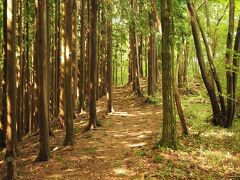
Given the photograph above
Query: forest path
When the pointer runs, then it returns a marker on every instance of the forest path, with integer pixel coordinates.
(114, 151)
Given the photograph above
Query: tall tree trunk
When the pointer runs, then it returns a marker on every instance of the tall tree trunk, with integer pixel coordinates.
(217, 115)
(44, 152)
(62, 103)
(109, 62)
(236, 60)
(36, 67)
(212, 66)
(68, 110)
(27, 72)
(229, 63)
(4, 83)
(19, 88)
(74, 54)
(57, 54)
(10, 51)
(134, 53)
(81, 65)
(92, 67)
(169, 119)
(151, 59)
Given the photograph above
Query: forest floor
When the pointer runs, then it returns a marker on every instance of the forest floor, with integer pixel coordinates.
(122, 148)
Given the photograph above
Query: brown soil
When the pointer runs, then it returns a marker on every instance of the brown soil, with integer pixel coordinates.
(122, 148)
(108, 152)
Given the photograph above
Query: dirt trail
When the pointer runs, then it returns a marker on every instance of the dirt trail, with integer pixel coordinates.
(113, 151)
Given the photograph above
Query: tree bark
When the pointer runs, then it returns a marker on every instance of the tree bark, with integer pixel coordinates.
(68, 107)
(81, 65)
(236, 59)
(229, 63)
(92, 67)
(134, 53)
(169, 119)
(10, 51)
(44, 153)
(217, 115)
(109, 62)
(212, 66)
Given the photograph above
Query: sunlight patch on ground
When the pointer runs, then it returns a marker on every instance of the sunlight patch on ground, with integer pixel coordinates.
(148, 132)
(137, 144)
(219, 134)
(142, 136)
(55, 149)
(55, 176)
(122, 172)
(118, 135)
(101, 157)
(147, 113)
(79, 123)
(124, 114)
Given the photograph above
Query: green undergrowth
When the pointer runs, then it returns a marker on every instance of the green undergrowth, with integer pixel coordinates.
(208, 152)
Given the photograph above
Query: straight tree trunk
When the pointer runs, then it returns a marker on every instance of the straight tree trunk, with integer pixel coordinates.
(10, 52)
(19, 89)
(4, 83)
(134, 53)
(169, 119)
(74, 54)
(81, 65)
(68, 110)
(57, 54)
(27, 72)
(36, 67)
(236, 59)
(151, 59)
(44, 152)
(109, 62)
(92, 67)
(62, 78)
(229, 63)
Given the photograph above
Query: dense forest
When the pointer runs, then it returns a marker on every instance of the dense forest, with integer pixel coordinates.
(119, 89)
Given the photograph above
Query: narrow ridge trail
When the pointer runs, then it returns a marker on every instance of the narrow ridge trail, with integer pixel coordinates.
(113, 151)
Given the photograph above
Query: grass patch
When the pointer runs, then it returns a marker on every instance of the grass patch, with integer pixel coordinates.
(89, 150)
(140, 153)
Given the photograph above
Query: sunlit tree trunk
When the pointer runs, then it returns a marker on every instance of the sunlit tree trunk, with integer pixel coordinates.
(68, 107)
(10, 58)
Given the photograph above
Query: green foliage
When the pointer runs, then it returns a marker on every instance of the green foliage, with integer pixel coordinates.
(153, 99)
(89, 150)
(141, 153)
(158, 159)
